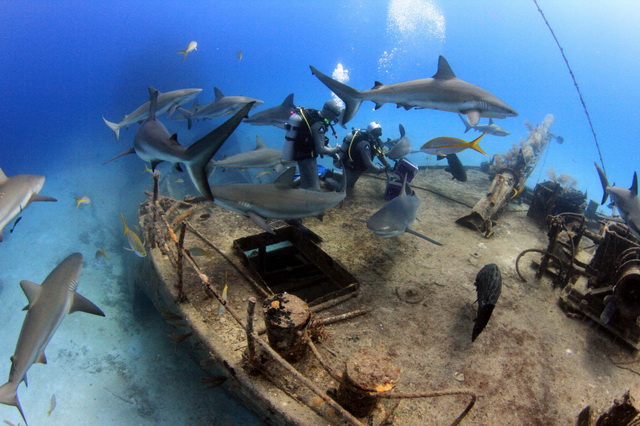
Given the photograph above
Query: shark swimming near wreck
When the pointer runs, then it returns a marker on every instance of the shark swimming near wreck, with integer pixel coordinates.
(444, 91)
(153, 144)
(398, 147)
(49, 304)
(491, 128)
(221, 105)
(626, 200)
(397, 216)
(277, 200)
(16, 193)
(276, 116)
(166, 102)
(261, 157)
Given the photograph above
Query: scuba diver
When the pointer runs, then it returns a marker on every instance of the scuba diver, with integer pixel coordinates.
(305, 140)
(357, 152)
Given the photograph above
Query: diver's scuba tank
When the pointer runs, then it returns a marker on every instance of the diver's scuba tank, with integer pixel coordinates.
(292, 126)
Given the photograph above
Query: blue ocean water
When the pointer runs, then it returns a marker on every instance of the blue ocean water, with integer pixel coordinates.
(66, 64)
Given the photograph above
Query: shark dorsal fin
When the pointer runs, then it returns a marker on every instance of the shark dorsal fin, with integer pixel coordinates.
(195, 104)
(153, 102)
(285, 180)
(402, 132)
(217, 93)
(377, 85)
(31, 290)
(82, 304)
(288, 102)
(3, 177)
(634, 185)
(444, 70)
(260, 143)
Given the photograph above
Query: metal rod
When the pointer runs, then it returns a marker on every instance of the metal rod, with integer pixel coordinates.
(251, 306)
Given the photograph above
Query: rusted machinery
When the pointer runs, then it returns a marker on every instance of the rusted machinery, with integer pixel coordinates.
(602, 284)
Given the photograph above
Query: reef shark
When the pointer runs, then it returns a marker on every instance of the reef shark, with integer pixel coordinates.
(222, 105)
(259, 158)
(48, 304)
(444, 91)
(16, 193)
(276, 116)
(491, 128)
(399, 147)
(277, 200)
(626, 200)
(397, 216)
(167, 101)
(153, 144)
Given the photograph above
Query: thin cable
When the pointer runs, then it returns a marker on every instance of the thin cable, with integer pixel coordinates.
(575, 83)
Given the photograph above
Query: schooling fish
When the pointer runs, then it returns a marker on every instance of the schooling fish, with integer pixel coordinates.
(134, 241)
(488, 286)
(193, 45)
(445, 145)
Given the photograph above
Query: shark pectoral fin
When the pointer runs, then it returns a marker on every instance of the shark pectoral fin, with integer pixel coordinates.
(42, 358)
(31, 290)
(285, 180)
(129, 151)
(424, 237)
(171, 110)
(260, 221)
(38, 197)
(473, 116)
(82, 304)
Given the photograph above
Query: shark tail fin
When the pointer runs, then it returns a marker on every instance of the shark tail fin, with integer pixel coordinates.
(9, 396)
(604, 182)
(113, 126)
(199, 154)
(475, 144)
(351, 97)
(465, 122)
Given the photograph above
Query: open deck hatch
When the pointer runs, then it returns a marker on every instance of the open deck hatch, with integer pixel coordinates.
(292, 261)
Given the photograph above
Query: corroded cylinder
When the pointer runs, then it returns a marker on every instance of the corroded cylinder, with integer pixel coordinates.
(287, 318)
(367, 375)
(626, 291)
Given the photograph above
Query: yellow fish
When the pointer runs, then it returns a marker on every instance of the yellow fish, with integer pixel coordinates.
(82, 200)
(134, 241)
(193, 45)
(148, 170)
(102, 253)
(225, 291)
(53, 405)
(445, 145)
(197, 251)
(239, 55)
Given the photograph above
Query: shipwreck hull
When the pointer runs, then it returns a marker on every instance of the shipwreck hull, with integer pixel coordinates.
(398, 299)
